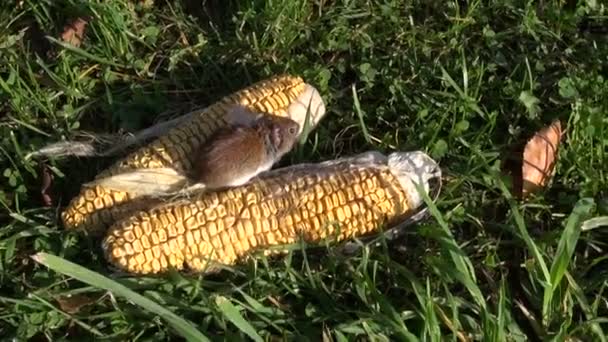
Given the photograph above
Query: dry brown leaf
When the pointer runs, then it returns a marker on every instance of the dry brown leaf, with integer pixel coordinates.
(540, 157)
(147, 3)
(72, 304)
(277, 303)
(73, 33)
(47, 181)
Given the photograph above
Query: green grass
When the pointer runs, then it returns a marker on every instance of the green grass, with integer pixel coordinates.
(463, 80)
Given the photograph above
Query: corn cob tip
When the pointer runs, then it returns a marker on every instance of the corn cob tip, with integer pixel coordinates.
(414, 167)
(309, 101)
(408, 167)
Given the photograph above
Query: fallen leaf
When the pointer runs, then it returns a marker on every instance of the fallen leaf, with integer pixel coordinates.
(47, 180)
(146, 3)
(73, 33)
(326, 334)
(277, 303)
(72, 304)
(540, 157)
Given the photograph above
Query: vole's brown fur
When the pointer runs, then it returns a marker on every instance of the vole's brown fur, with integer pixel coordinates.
(239, 152)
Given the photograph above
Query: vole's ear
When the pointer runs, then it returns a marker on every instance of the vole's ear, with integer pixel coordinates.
(240, 115)
(276, 135)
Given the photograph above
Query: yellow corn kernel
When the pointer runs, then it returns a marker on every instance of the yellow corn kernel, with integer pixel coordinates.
(384, 196)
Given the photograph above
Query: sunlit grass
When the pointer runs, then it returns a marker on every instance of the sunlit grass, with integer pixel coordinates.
(464, 81)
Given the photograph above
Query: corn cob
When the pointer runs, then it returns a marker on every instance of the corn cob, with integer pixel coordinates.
(97, 206)
(343, 198)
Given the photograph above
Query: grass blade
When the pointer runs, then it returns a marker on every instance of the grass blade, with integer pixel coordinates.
(594, 223)
(307, 126)
(77, 321)
(83, 53)
(589, 314)
(360, 115)
(519, 220)
(181, 326)
(464, 267)
(565, 250)
(232, 314)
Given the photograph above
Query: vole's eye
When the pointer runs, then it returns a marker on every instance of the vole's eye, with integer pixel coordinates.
(292, 130)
